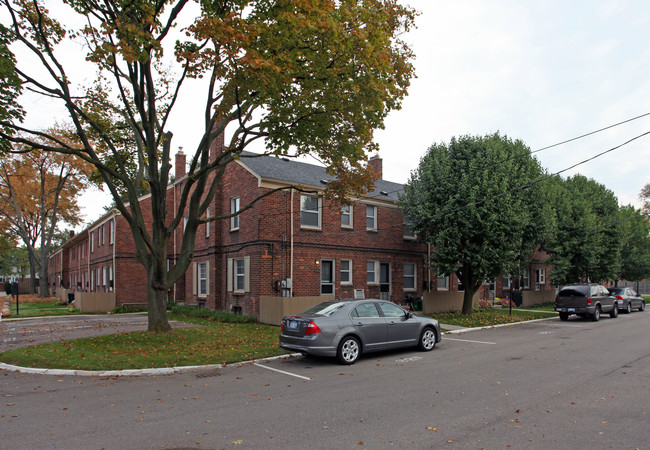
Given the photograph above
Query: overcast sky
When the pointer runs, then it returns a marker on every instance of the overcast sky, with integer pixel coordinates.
(542, 72)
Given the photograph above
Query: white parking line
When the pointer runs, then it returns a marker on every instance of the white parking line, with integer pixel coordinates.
(467, 340)
(282, 371)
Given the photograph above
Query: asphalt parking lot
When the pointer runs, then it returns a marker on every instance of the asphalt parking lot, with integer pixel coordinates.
(17, 333)
(545, 384)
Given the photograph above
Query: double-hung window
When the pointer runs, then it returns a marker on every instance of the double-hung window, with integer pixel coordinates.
(408, 231)
(235, 206)
(310, 211)
(239, 274)
(410, 276)
(346, 271)
(346, 216)
(372, 267)
(207, 223)
(371, 217)
(202, 279)
(443, 282)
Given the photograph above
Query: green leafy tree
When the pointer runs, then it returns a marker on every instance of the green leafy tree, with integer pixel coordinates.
(479, 203)
(587, 242)
(38, 193)
(635, 244)
(304, 76)
(645, 198)
(15, 262)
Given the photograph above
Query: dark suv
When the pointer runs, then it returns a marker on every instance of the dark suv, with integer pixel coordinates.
(585, 300)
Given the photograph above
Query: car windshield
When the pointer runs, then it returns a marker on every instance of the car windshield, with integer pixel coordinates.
(325, 308)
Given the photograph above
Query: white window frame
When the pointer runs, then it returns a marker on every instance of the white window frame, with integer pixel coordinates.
(207, 223)
(414, 276)
(540, 276)
(202, 278)
(506, 282)
(347, 211)
(374, 272)
(446, 282)
(311, 211)
(235, 206)
(409, 237)
(239, 270)
(525, 279)
(232, 275)
(373, 217)
(111, 231)
(347, 271)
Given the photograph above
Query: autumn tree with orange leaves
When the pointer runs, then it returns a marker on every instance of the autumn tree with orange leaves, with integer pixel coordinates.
(303, 76)
(38, 193)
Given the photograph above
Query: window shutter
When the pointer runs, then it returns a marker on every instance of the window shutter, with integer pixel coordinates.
(207, 278)
(195, 277)
(229, 273)
(247, 270)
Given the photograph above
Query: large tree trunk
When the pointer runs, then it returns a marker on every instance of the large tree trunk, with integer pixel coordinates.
(157, 297)
(43, 277)
(471, 287)
(32, 277)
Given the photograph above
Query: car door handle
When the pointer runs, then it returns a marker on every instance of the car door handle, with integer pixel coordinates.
(358, 324)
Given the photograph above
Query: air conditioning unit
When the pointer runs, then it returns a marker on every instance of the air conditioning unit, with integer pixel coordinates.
(359, 294)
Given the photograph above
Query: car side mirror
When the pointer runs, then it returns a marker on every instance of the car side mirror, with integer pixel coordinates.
(409, 315)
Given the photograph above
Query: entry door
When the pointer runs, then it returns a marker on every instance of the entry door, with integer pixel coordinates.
(384, 281)
(327, 277)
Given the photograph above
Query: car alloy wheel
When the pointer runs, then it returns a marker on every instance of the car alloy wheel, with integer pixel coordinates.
(427, 340)
(349, 350)
(596, 315)
(642, 307)
(628, 310)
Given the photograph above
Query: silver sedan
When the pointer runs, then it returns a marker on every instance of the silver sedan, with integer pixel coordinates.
(347, 328)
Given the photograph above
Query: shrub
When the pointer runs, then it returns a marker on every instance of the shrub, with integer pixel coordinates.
(124, 309)
(484, 304)
(218, 316)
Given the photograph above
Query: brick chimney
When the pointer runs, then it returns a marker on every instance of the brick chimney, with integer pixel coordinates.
(216, 146)
(180, 164)
(376, 163)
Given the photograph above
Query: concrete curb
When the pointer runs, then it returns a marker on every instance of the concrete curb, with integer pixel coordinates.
(183, 369)
(465, 330)
(135, 372)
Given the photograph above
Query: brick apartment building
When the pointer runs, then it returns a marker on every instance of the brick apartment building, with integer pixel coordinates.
(290, 243)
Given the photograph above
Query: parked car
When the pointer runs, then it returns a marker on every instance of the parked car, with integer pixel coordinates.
(585, 300)
(347, 328)
(628, 299)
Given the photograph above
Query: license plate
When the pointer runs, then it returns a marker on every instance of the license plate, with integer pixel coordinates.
(572, 310)
(293, 324)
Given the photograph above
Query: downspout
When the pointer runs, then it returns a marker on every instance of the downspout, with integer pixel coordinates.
(291, 258)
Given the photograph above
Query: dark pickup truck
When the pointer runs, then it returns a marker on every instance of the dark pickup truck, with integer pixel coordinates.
(585, 300)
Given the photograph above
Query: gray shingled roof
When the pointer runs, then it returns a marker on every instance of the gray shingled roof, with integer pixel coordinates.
(298, 172)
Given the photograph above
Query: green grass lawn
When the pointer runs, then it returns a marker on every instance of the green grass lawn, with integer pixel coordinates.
(488, 317)
(210, 343)
(27, 307)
